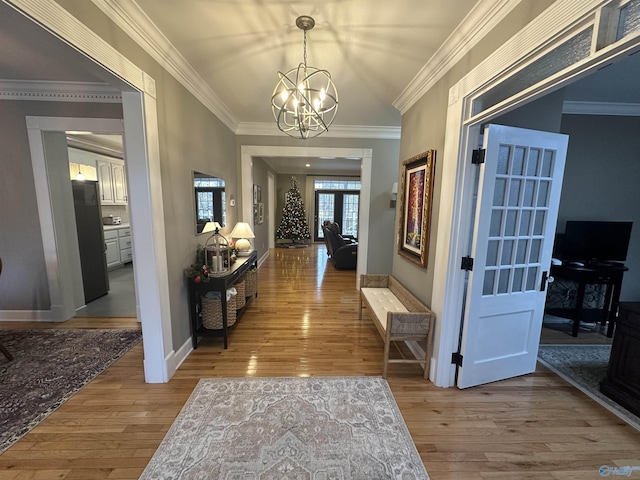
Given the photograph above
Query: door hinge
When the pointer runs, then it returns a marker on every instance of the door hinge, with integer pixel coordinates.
(467, 263)
(456, 358)
(477, 157)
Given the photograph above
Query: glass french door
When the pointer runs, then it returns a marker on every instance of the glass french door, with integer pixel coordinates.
(337, 206)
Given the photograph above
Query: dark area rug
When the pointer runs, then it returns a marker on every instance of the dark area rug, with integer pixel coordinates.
(584, 366)
(49, 366)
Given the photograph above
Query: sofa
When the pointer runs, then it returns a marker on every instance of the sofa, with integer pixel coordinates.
(343, 250)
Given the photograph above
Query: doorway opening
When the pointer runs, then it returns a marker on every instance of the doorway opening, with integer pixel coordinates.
(336, 201)
(461, 132)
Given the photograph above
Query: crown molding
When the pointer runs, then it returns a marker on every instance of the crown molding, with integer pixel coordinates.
(480, 21)
(335, 131)
(92, 146)
(135, 23)
(601, 108)
(58, 91)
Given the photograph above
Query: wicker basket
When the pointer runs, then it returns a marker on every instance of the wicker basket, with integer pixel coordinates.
(232, 311)
(240, 298)
(212, 313)
(251, 279)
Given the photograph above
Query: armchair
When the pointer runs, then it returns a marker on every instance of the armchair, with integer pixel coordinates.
(343, 251)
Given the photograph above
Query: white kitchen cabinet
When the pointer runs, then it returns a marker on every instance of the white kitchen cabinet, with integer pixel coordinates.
(124, 243)
(119, 183)
(112, 179)
(105, 182)
(113, 248)
(113, 184)
(118, 242)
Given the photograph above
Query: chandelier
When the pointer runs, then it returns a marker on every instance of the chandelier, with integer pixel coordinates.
(305, 100)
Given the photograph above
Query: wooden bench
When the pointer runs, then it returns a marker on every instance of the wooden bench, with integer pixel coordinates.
(398, 316)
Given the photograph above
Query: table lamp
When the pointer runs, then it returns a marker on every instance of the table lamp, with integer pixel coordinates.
(211, 227)
(242, 231)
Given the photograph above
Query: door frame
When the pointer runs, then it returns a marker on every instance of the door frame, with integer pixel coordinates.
(342, 193)
(247, 152)
(557, 24)
(140, 127)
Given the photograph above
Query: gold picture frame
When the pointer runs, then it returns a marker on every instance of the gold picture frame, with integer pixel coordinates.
(416, 190)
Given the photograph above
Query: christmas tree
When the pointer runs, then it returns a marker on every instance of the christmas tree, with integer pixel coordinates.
(293, 225)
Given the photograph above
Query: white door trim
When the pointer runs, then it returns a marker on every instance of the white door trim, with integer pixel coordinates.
(551, 28)
(246, 172)
(271, 209)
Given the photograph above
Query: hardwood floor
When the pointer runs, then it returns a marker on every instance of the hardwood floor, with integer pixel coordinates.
(305, 322)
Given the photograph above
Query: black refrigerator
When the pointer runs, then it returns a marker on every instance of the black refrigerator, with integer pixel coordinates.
(86, 202)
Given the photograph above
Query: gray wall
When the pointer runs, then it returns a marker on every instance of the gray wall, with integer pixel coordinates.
(424, 126)
(602, 179)
(23, 284)
(384, 173)
(542, 114)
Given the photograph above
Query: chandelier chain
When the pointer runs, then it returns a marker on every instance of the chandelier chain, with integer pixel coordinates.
(305, 46)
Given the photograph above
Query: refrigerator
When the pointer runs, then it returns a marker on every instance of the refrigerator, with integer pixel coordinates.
(93, 259)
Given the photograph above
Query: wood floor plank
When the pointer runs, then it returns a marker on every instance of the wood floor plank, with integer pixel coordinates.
(304, 322)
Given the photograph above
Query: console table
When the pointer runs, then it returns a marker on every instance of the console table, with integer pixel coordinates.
(608, 274)
(219, 283)
(622, 382)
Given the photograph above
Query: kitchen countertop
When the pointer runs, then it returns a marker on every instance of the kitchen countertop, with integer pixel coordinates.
(114, 227)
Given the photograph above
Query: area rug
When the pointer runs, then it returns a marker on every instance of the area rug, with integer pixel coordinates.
(584, 366)
(48, 367)
(288, 428)
(292, 245)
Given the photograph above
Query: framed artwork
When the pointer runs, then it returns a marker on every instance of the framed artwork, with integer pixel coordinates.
(255, 214)
(255, 194)
(260, 212)
(259, 193)
(415, 207)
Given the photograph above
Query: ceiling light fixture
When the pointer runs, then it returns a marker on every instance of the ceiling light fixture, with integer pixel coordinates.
(305, 100)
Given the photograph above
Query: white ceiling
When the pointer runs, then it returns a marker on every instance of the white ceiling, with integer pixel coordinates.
(374, 50)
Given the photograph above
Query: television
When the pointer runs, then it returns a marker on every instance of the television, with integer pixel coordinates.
(600, 241)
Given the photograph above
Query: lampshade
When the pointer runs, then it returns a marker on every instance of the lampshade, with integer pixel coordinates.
(211, 227)
(242, 231)
(305, 100)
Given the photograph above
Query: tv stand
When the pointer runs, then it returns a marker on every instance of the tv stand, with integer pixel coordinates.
(592, 273)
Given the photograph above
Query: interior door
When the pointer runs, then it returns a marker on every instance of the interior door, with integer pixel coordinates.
(516, 215)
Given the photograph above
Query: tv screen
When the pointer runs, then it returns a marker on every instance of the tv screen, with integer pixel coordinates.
(596, 240)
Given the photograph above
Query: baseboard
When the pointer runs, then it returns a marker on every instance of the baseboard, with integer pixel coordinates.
(263, 258)
(26, 316)
(420, 353)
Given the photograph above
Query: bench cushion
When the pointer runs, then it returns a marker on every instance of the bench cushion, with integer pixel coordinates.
(381, 301)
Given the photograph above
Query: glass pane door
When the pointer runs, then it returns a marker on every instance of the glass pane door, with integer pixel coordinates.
(350, 202)
(325, 210)
(340, 206)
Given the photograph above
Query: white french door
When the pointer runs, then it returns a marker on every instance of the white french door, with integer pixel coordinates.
(516, 215)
